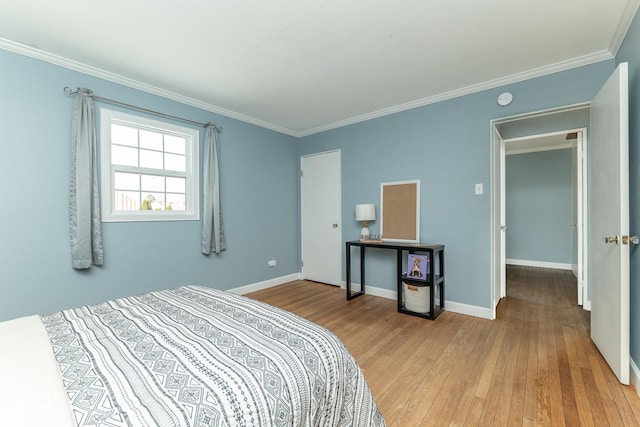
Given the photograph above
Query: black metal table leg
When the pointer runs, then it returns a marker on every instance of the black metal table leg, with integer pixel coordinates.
(351, 295)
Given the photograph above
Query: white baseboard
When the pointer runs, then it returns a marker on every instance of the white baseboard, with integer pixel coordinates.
(383, 293)
(544, 264)
(469, 310)
(355, 287)
(454, 307)
(634, 376)
(266, 284)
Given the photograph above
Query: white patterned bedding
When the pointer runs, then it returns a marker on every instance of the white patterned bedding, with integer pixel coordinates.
(194, 356)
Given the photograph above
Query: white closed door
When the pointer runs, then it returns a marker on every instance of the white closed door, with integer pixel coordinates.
(321, 212)
(609, 230)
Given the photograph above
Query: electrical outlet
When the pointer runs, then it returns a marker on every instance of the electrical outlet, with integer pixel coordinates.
(271, 263)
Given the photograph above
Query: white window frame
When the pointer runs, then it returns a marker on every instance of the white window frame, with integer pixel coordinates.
(192, 209)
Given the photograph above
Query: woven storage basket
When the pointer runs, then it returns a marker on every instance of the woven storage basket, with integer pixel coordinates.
(416, 298)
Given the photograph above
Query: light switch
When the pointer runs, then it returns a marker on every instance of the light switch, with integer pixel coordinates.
(479, 189)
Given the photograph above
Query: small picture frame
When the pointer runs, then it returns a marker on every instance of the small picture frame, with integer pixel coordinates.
(417, 267)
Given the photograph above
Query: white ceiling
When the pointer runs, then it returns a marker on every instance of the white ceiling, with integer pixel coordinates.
(299, 66)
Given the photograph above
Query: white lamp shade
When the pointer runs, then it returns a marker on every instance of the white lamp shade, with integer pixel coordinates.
(365, 212)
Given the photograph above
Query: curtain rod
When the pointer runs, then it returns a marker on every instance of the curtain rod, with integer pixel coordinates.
(69, 91)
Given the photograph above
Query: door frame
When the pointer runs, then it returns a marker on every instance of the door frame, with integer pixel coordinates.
(498, 223)
(498, 288)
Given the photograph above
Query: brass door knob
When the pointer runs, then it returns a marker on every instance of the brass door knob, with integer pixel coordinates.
(614, 239)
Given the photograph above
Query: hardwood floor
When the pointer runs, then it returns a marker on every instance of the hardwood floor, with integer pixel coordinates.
(534, 365)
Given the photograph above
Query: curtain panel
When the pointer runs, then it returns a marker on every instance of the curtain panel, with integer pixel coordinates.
(213, 239)
(84, 200)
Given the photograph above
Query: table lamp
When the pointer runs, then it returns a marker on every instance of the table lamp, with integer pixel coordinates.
(365, 213)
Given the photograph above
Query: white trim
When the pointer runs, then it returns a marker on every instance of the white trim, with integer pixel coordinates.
(452, 306)
(634, 377)
(497, 215)
(543, 264)
(32, 52)
(241, 290)
(583, 214)
(580, 61)
(134, 84)
(629, 12)
(372, 290)
(469, 310)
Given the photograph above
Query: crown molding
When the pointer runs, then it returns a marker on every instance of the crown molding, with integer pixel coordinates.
(32, 52)
(629, 12)
(70, 64)
(491, 84)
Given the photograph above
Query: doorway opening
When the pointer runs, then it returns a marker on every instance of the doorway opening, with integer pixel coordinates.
(607, 228)
(552, 136)
(544, 202)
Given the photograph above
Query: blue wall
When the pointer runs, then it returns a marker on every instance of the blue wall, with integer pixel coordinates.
(447, 147)
(539, 206)
(259, 196)
(630, 52)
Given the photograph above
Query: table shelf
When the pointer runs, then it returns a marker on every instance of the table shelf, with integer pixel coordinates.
(434, 279)
(438, 278)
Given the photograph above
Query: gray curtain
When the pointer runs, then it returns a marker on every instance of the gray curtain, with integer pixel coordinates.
(212, 229)
(84, 201)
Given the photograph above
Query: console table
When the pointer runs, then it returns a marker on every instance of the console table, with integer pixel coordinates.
(434, 279)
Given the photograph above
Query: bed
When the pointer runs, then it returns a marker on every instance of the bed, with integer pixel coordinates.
(189, 356)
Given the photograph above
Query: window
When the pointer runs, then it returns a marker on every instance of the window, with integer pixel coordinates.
(149, 169)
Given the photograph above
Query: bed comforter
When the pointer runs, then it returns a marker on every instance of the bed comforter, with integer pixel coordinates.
(194, 356)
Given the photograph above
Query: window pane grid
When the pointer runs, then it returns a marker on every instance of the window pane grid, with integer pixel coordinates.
(147, 148)
(149, 192)
(149, 167)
